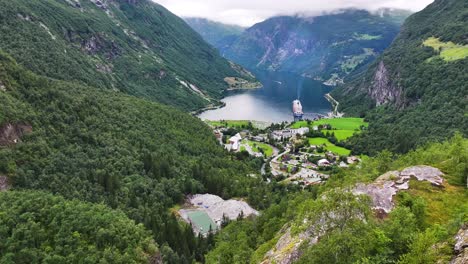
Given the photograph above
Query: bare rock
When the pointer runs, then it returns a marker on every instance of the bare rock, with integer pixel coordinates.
(287, 249)
(2, 87)
(107, 69)
(4, 185)
(461, 246)
(380, 193)
(387, 185)
(424, 173)
(11, 133)
(93, 45)
(382, 89)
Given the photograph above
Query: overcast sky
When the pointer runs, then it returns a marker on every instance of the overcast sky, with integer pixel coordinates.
(249, 12)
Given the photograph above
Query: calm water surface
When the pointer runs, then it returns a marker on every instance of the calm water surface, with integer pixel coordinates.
(273, 102)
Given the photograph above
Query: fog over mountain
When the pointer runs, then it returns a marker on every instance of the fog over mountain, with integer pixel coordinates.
(248, 12)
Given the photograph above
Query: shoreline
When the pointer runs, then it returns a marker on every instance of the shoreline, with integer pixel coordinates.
(335, 104)
(244, 89)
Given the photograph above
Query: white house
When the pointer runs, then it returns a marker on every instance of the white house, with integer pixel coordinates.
(323, 163)
(235, 142)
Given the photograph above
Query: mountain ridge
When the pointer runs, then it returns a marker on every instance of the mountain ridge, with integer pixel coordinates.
(137, 47)
(412, 85)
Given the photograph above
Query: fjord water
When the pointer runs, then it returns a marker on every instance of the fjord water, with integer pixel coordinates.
(273, 102)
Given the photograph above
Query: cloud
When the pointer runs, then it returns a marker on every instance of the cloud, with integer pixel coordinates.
(249, 12)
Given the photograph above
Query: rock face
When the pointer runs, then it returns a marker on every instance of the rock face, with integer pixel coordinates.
(318, 47)
(11, 133)
(423, 173)
(382, 89)
(381, 191)
(286, 249)
(461, 246)
(2, 87)
(4, 185)
(386, 186)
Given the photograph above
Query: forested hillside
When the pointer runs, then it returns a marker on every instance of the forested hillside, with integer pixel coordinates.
(326, 47)
(417, 90)
(105, 147)
(332, 223)
(54, 230)
(219, 35)
(137, 47)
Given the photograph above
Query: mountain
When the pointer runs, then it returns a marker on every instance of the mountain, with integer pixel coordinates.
(417, 90)
(136, 47)
(102, 146)
(219, 35)
(326, 47)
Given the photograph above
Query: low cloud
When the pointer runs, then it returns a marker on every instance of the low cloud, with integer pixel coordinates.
(249, 12)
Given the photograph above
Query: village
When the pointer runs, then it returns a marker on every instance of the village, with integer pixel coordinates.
(301, 153)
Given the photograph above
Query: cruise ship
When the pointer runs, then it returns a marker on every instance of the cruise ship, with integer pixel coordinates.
(297, 110)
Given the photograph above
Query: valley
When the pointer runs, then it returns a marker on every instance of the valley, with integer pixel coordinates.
(139, 132)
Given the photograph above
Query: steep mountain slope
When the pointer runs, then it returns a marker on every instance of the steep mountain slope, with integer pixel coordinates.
(219, 35)
(386, 210)
(101, 146)
(326, 47)
(137, 47)
(419, 87)
(55, 230)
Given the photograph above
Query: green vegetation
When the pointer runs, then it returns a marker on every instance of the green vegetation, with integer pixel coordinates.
(348, 123)
(430, 102)
(350, 64)
(137, 47)
(265, 148)
(424, 216)
(38, 227)
(342, 128)
(329, 146)
(217, 34)
(230, 123)
(449, 51)
(134, 155)
(340, 135)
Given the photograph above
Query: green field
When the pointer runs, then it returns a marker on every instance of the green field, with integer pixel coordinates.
(449, 51)
(202, 221)
(348, 123)
(343, 128)
(229, 123)
(329, 146)
(341, 134)
(268, 150)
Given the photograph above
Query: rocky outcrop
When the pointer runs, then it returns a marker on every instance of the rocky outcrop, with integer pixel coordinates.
(461, 246)
(4, 185)
(11, 134)
(386, 186)
(383, 89)
(286, 249)
(97, 44)
(2, 87)
(381, 191)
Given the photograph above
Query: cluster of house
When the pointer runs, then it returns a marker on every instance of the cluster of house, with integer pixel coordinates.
(279, 135)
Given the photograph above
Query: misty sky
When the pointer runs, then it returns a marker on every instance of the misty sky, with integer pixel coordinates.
(249, 12)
